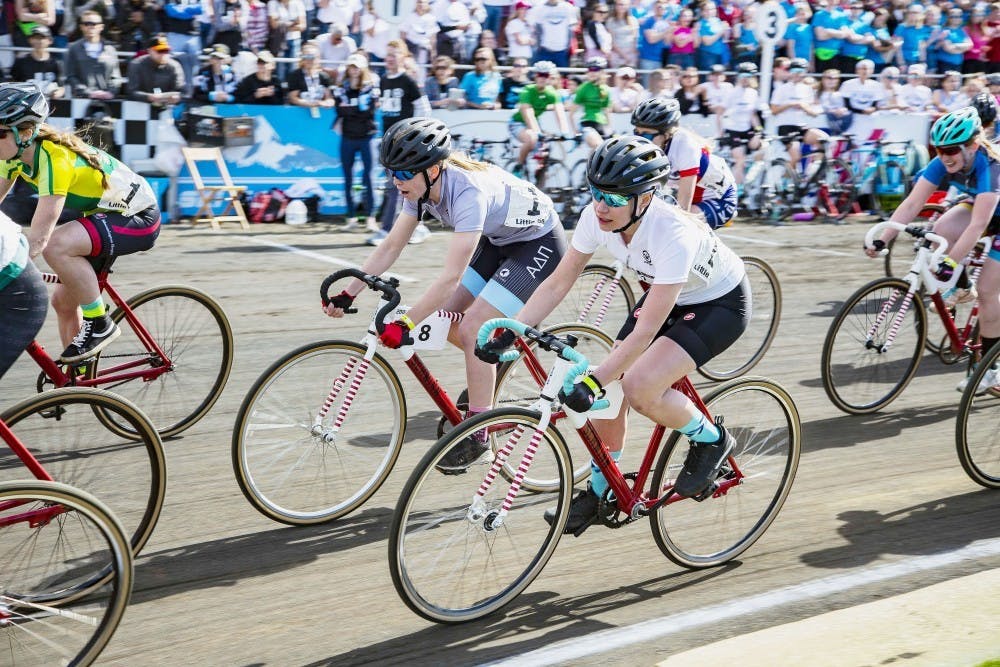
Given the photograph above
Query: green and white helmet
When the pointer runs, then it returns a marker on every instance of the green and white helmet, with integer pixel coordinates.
(957, 127)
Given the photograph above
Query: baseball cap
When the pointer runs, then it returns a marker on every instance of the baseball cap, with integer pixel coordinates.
(521, 4)
(357, 60)
(916, 70)
(219, 51)
(40, 30)
(718, 69)
(159, 43)
(265, 56)
(626, 72)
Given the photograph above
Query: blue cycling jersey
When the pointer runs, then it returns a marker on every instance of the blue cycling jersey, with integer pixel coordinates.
(984, 176)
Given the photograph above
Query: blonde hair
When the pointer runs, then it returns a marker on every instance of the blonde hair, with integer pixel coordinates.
(69, 140)
(463, 161)
(991, 148)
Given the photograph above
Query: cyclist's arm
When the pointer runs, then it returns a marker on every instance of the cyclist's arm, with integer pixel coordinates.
(660, 300)
(907, 211)
(528, 116)
(983, 207)
(5, 185)
(561, 119)
(554, 288)
(685, 191)
(456, 260)
(43, 222)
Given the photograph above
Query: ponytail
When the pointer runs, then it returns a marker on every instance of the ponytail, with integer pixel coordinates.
(77, 145)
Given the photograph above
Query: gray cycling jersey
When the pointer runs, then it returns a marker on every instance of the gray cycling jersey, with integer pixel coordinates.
(503, 207)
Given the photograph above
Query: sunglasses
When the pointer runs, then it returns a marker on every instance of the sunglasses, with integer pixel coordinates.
(950, 150)
(90, 23)
(648, 136)
(541, 75)
(594, 69)
(481, 60)
(612, 199)
(403, 174)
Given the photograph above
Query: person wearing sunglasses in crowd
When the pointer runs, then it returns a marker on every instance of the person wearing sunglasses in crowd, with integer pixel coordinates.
(698, 303)
(535, 99)
(593, 98)
(702, 183)
(117, 213)
(970, 163)
(507, 239)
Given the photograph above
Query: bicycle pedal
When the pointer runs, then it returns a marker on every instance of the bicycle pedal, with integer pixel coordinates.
(579, 531)
(707, 493)
(52, 413)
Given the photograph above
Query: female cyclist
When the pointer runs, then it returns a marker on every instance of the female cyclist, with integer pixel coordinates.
(23, 297)
(507, 240)
(593, 97)
(970, 163)
(698, 304)
(702, 182)
(116, 213)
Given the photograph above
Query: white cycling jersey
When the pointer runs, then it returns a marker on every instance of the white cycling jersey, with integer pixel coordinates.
(669, 247)
(689, 155)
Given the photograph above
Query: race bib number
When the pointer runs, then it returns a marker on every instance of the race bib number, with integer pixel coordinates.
(528, 207)
(429, 334)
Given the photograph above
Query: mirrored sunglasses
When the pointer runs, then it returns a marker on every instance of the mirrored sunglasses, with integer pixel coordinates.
(612, 199)
(402, 174)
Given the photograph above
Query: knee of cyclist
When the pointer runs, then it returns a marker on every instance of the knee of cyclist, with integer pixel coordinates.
(467, 333)
(637, 392)
(62, 301)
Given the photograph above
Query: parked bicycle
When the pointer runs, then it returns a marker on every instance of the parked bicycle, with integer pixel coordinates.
(824, 186)
(66, 577)
(977, 428)
(461, 548)
(320, 430)
(494, 151)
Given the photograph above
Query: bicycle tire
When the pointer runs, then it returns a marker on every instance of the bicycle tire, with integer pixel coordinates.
(849, 362)
(751, 347)
(840, 189)
(610, 304)
(452, 567)
(44, 626)
(60, 430)
(978, 446)
(896, 261)
(193, 330)
(764, 421)
(516, 387)
(299, 473)
(783, 191)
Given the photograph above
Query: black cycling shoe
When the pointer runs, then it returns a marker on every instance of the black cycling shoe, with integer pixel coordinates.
(458, 459)
(582, 512)
(94, 336)
(702, 463)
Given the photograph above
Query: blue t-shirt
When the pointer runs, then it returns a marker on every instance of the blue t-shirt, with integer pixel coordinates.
(481, 88)
(983, 177)
(851, 49)
(710, 28)
(881, 34)
(833, 19)
(912, 38)
(801, 36)
(649, 51)
(952, 36)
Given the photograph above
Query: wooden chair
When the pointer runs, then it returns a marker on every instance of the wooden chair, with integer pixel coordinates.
(211, 194)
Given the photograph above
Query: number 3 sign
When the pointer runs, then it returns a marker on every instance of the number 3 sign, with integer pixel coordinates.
(772, 21)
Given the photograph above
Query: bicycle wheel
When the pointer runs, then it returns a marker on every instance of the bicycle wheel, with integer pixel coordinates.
(977, 429)
(750, 348)
(318, 433)
(60, 430)
(764, 421)
(780, 193)
(517, 387)
(838, 189)
(450, 562)
(900, 252)
(578, 176)
(194, 333)
(555, 176)
(58, 544)
(596, 299)
(868, 360)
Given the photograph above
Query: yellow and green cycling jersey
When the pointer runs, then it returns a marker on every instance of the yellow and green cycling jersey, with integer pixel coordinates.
(60, 171)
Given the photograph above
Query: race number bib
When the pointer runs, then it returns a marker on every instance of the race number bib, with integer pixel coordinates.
(430, 333)
(528, 206)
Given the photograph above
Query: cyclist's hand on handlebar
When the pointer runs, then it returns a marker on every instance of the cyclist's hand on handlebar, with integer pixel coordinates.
(584, 393)
(490, 353)
(945, 269)
(878, 245)
(339, 304)
(396, 334)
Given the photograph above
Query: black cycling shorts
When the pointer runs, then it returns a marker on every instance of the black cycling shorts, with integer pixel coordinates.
(600, 128)
(703, 330)
(506, 276)
(789, 133)
(736, 138)
(113, 234)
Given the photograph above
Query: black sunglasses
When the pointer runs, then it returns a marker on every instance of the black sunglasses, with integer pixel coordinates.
(90, 23)
(481, 60)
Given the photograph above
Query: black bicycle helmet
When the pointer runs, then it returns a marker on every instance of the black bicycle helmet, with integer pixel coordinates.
(746, 69)
(627, 165)
(986, 105)
(659, 113)
(22, 103)
(415, 144)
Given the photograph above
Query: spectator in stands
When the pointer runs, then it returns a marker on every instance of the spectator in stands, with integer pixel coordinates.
(597, 40)
(204, 22)
(949, 97)
(520, 34)
(441, 81)
(28, 14)
(882, 50)
(215, 83)
(38, 65)
(892, 90)
(952, 42)
(795, 110)
(157, 77)
(781, 73)
(716, 91)
(257, 26)
(334, 48)
(137, 24)
(913, 36)
(178, 21)
(346, 13)
(745, 46)
(496, 11)
(993, 85)
(420, 32)
(454, 20)
(488, 40)
(858, 36)
(829, 31)
(979, 35)
(475, 31)
(356, 99)
(935, 20)
(742, 123)
(624, 29)
(593, 98)
(555, 21)
(514, 82)
(862, 94)
(374, 33)
(799, 33)
(263, 86)
(838, 116)
(400, 96)
(91, 64)
(627, 91)
(730, 12)
(288, 21)
(309, 86)
(661, 84)
(712, 36)
(916, 97)
(683, 41)
(690, 96)
(229, 23)
(482, 84)
(654, 28)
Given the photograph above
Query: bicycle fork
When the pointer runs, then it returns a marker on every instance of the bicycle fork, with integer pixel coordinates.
(896, 323)
(354, 371)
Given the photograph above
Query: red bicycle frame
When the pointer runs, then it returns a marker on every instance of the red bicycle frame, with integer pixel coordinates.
(35, 517)
(152, 366)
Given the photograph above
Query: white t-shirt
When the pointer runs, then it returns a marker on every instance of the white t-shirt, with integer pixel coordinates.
(717, 95)
(289, 13)
(420, 30)
(789, 93)
(10, 240)
(450, 13)
(555, 23)
(334, 53)
(860, 96)
(916, 98)
(339, 11)
(669, 247)
(689, 155)
(377, 44)
(740, 106)
(515, 27)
